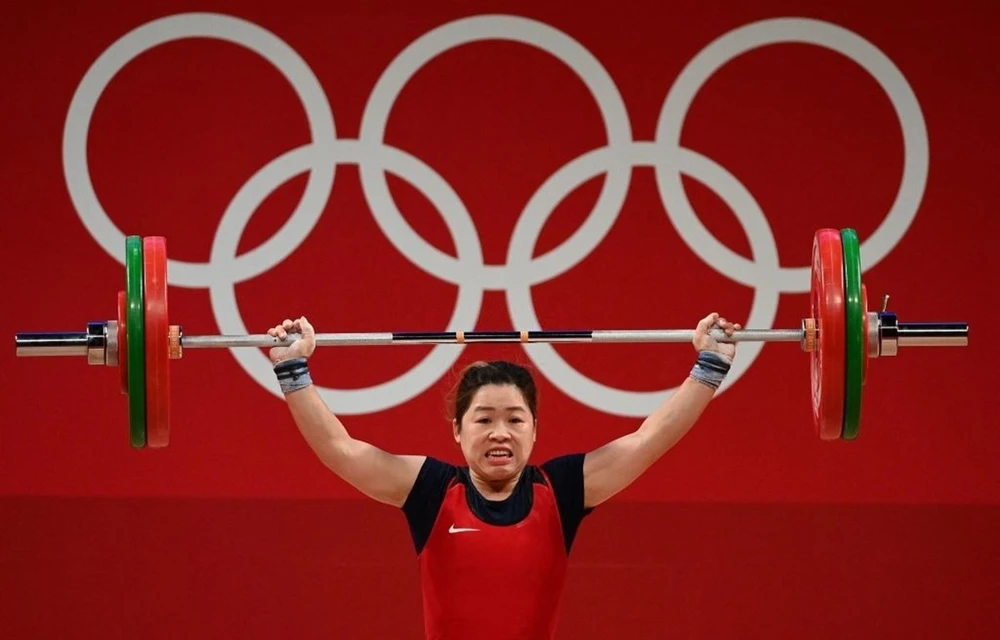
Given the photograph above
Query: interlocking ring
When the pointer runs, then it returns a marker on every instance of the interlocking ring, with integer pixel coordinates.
(616, 159)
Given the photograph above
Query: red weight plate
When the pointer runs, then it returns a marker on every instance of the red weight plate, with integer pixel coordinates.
(828, 359)
(122, 344)
(154, 255)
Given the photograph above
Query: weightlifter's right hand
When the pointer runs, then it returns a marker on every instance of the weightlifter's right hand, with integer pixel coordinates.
(301, 348)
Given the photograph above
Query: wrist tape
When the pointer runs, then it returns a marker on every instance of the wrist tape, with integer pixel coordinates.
(293, 374)
(711, 368)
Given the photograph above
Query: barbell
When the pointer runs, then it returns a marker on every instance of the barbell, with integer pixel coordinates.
(840, 334)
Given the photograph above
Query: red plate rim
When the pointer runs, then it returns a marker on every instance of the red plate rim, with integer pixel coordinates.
(828, 308)
(157, 344)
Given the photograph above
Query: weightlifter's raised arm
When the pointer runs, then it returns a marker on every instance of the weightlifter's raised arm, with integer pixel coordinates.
(383, 476)
(611, 468)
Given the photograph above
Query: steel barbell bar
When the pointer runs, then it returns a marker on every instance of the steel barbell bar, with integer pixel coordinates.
(85, 343)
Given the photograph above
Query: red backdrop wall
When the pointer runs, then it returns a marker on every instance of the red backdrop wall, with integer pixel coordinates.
(491, 167)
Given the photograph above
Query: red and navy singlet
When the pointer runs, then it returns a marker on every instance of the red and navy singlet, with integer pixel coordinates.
(494, 569)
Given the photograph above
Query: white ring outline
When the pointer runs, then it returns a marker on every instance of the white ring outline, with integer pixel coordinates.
(787, 30)
(467, 31)
(237, 31)
(762, 311)
(223, 294)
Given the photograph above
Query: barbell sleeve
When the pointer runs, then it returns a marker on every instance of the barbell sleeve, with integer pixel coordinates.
(54, 343)
(933, 334)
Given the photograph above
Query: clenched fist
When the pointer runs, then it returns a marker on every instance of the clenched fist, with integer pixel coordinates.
(705, 342)
(303, 347)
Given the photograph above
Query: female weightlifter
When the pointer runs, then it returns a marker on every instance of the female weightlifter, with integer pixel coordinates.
(497, 529)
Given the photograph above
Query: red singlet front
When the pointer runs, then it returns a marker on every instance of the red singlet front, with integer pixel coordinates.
(493, 581)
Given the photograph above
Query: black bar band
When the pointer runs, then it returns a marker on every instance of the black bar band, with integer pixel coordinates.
(488, 336)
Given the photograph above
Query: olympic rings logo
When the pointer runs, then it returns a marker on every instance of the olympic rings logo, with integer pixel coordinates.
(468, 270)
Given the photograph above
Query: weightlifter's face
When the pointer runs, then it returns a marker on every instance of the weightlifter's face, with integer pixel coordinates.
(497, 433)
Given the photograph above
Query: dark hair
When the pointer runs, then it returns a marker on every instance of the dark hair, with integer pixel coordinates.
(479, 374)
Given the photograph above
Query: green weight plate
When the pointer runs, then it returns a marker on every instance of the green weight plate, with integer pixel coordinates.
(135, 311)
(856, 336)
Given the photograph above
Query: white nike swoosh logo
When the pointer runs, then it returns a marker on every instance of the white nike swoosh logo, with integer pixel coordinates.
(454, 529)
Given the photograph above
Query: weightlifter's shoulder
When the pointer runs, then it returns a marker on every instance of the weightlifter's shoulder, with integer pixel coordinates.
(426, 497)
(566, 475)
